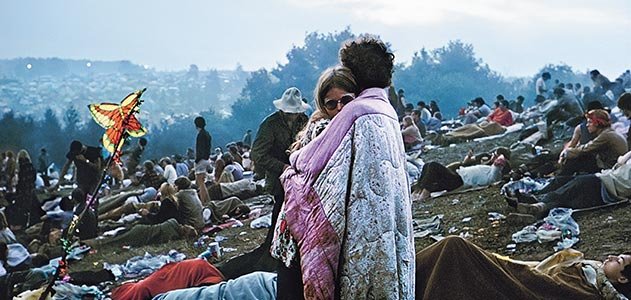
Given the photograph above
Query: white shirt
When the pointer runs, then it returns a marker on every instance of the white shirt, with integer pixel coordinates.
(479, 175)
(425, 115)
(170, 174)
(540, 85)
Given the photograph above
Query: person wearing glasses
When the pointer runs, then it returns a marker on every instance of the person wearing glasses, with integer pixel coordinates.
(335, 88)
(347, 198)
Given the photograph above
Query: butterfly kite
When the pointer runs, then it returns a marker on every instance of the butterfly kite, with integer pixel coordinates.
(119, 121)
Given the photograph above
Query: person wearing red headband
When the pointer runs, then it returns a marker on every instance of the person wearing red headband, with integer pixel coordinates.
(599, 153)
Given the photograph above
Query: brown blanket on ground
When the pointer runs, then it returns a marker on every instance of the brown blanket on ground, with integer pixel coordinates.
(472, 131)
(457, 269)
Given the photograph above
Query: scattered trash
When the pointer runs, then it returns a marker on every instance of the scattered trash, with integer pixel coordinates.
(220, 238)
(237, 223)
(452, 229)
(466, 220)
(126, 247)
(511, 246)
(455, 201)
(227, 250)
(526, 235)
(557, 225)
(524, 185)
(243, 233)
(262, 222)
(437, 237)
(201, 241)
(139, 266)
(495, 216)
(427, 226)
(465, 235)
(213, 250)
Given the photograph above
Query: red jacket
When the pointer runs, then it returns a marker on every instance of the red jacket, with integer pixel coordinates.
(504, 118)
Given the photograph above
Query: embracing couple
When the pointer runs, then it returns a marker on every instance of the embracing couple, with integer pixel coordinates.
(345, 228)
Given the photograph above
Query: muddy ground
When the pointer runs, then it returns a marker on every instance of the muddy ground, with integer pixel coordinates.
(603, 232)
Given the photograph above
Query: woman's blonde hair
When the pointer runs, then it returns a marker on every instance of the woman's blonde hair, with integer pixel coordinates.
(166, 190)
(23, 154)
(335, 77)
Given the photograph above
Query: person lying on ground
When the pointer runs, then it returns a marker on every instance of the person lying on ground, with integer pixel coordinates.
(243, 189)
(17, 267)
(172, 276)
(436, 177)
(472, 131)
(455, 268)
(222, 210)
(583, 191)
(142, 234)
(484, 158)
(153, 207)
(138, 196)
(252, 286)
(599, 153)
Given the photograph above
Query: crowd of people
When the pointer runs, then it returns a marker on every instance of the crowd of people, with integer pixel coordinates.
(341, 222)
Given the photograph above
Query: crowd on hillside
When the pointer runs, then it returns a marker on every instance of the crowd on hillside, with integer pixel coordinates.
(336, 187)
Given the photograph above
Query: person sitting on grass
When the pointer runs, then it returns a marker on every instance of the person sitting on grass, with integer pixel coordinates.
(597, 154)
(411, 134)
(583, 191)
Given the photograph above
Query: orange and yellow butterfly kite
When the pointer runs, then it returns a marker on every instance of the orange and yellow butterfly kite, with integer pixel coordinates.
(118, 120)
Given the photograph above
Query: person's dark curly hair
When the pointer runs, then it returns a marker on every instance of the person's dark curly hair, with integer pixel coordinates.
(370, 61)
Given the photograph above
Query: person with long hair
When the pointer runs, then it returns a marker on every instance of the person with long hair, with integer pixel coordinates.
(26, 200)
(347, 198)
(335, 88)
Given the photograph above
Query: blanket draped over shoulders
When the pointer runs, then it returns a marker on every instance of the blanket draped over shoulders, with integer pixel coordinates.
(348, 206)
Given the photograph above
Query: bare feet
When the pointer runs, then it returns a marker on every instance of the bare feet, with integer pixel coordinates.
(425, 195)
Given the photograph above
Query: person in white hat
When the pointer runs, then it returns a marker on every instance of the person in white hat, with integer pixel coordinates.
(269, 152)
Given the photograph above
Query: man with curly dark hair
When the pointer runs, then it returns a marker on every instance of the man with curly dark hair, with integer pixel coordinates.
(357, 241)
(370, 61)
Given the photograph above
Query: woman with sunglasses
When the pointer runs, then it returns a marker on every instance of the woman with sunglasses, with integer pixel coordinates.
(335, 88)
(347, 199)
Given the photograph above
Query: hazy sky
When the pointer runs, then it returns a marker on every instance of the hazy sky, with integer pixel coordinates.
(515, 37)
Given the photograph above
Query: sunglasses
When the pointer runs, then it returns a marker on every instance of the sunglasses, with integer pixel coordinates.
(331, 104)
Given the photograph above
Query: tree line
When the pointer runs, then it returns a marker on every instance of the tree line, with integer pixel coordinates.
(452, 75)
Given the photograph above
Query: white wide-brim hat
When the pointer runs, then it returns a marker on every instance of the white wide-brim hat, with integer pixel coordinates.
(291, 102)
